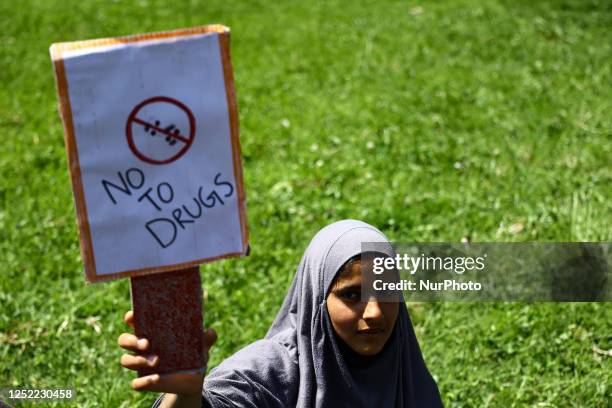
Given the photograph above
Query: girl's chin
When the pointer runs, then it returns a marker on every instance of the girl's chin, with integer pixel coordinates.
(368, 349)
(370, 344)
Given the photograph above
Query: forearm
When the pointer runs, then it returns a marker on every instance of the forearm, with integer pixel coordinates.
(181, 401)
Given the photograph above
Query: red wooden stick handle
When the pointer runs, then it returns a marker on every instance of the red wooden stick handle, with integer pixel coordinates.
(168, 312)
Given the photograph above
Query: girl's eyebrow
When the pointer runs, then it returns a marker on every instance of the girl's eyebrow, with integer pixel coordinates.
(347, 286)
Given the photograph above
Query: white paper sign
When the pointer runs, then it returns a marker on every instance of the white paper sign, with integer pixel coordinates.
(152, 140)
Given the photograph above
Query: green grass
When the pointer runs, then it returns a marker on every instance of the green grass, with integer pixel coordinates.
(432, 121)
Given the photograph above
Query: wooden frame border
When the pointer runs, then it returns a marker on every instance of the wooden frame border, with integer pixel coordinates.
(57, 51)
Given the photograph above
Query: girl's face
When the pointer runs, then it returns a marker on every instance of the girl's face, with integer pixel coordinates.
(364, 326)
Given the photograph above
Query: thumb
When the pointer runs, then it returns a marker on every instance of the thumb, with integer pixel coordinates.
(210, 337)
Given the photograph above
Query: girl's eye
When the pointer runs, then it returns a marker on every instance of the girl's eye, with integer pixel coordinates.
(350, 295)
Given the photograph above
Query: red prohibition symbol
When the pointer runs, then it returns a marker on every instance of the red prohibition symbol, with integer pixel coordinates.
(160, 130)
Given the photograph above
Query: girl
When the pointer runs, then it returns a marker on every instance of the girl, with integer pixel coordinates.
(326, 348)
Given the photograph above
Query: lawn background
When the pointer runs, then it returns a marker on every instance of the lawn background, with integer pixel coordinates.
(433, 121)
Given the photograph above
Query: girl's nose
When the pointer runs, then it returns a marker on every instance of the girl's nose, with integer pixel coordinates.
(372, 311)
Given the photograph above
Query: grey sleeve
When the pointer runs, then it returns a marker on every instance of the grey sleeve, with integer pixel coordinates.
(262, 375)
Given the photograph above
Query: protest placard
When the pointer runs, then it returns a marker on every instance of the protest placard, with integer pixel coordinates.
(151, 133)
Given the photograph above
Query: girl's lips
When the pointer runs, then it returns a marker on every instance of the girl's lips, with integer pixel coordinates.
(370, 331)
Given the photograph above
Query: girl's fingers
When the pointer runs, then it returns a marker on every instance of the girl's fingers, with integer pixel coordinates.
(210, 337)
(129, 318)
(130, 342)
(145, 383)
(137, 362)
(172, 383)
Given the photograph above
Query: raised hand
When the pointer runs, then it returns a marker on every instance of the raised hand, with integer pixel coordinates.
(185, 384)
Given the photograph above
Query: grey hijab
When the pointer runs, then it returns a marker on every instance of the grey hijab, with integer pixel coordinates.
(301, 362)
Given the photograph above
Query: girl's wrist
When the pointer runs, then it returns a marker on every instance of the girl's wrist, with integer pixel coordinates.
(181, 401)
